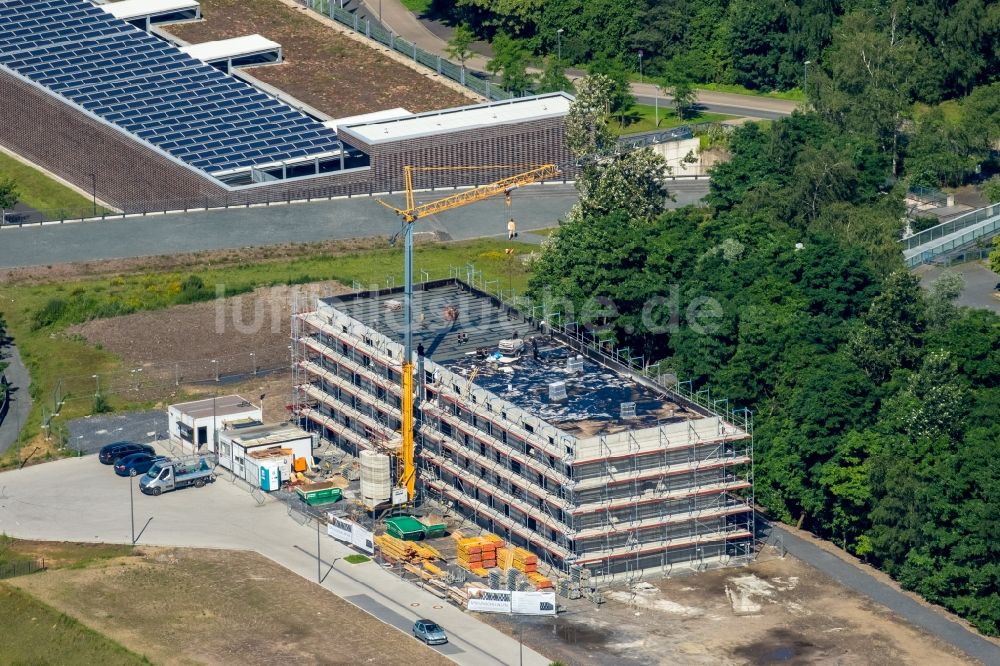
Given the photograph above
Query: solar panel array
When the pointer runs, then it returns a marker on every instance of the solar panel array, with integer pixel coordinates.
(151, 89)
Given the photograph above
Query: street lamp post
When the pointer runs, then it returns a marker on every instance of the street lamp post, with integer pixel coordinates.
(97, 381)
(131, 503)
(559, 33)
(253, 359)
(656, 106)
(640, 65)
(805, 77)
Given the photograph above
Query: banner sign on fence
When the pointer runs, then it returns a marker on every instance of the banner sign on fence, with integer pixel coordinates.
(486, 600)
(351, 533)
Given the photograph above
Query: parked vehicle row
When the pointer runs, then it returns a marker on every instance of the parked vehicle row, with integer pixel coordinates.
(160, 474)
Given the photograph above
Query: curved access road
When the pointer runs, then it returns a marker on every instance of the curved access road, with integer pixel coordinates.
(845, 572)
(397, 18)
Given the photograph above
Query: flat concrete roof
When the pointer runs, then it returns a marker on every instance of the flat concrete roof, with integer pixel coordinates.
(387, 114)
(593, 396)
(517, 110)
(224, 405)
(265, 434)
(133, 9)
(223, 49)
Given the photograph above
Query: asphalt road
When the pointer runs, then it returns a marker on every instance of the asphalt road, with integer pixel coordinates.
(85, 501)
(90, 433)
(980, 283)
(856, 578)
(534, 207)
(20, 396)
(739, 110)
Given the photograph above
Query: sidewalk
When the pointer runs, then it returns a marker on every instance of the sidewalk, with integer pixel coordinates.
(20, 396)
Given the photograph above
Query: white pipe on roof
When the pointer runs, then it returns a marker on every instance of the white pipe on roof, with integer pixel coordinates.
(388, 114)
(235, 47)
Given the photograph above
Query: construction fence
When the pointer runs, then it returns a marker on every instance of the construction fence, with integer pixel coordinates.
(379, 33)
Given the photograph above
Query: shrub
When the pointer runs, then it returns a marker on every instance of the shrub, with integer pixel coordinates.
(50, 313)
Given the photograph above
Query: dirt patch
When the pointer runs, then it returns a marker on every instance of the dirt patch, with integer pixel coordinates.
(179, 606)
(323, 68)
(221, 338)
(777, 610)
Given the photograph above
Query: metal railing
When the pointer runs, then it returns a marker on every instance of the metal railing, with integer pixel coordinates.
(928, 195)
(21, 568)
(379, 33)
(983, 222)
(951, 226)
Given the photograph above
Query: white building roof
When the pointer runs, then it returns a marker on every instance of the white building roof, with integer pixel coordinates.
(388, 114)
(133, 9)
(518, 110)
(266, 434)
(235, 47)
(224, 405)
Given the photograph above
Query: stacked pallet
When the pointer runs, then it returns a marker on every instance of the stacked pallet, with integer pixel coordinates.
(477, 554)
(406, 551)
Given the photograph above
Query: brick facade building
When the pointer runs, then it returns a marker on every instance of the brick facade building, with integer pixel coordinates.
(135, 176)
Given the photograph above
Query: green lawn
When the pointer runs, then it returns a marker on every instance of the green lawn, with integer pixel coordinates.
(643, 119)
(36, 633)
(795, 94)
(37, 314)
(42, 193)
(417, 6)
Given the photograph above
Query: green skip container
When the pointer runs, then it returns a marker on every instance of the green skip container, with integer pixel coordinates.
(406, 528)
(320, 493)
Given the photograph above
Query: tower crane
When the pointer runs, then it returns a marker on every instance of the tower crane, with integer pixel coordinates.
(410, 215)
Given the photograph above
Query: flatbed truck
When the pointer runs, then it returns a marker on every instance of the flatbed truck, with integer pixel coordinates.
(175, 473)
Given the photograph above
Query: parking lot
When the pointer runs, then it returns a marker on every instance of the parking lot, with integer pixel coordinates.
(79, 499)
(89, 434)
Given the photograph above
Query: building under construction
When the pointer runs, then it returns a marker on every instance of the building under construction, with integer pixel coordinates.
(533, 430)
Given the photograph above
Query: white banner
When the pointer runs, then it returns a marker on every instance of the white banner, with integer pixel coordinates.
(339, 529)
(533, 603)
(488, 601)
(362, 539)
(504, 601)
(351, 533)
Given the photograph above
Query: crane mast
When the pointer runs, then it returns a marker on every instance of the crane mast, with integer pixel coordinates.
(410, 215)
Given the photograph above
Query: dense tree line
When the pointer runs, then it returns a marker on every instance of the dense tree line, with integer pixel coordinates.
(875, 401)
(947, 47)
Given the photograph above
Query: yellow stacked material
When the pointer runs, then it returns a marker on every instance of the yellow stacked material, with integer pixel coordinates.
(539, 581)
(494, 539)
(505, 558)
(525, 561)
(407, 551)
(477, 554)
(433, 569)
(457, 536)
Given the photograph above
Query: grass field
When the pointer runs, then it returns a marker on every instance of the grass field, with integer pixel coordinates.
(795, 94)
(193, 606)
(36, 633)
(38, 313)
(42, 193)
(643, 119)
(417, 6)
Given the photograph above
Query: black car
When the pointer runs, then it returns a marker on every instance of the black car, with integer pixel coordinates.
(136, 464)
(112, 453)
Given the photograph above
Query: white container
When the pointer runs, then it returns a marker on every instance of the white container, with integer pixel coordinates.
(376, 478)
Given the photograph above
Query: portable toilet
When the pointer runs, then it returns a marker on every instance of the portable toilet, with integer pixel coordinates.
(270, 475)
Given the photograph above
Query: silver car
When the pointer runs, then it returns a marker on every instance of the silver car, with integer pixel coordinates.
(429, 632)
